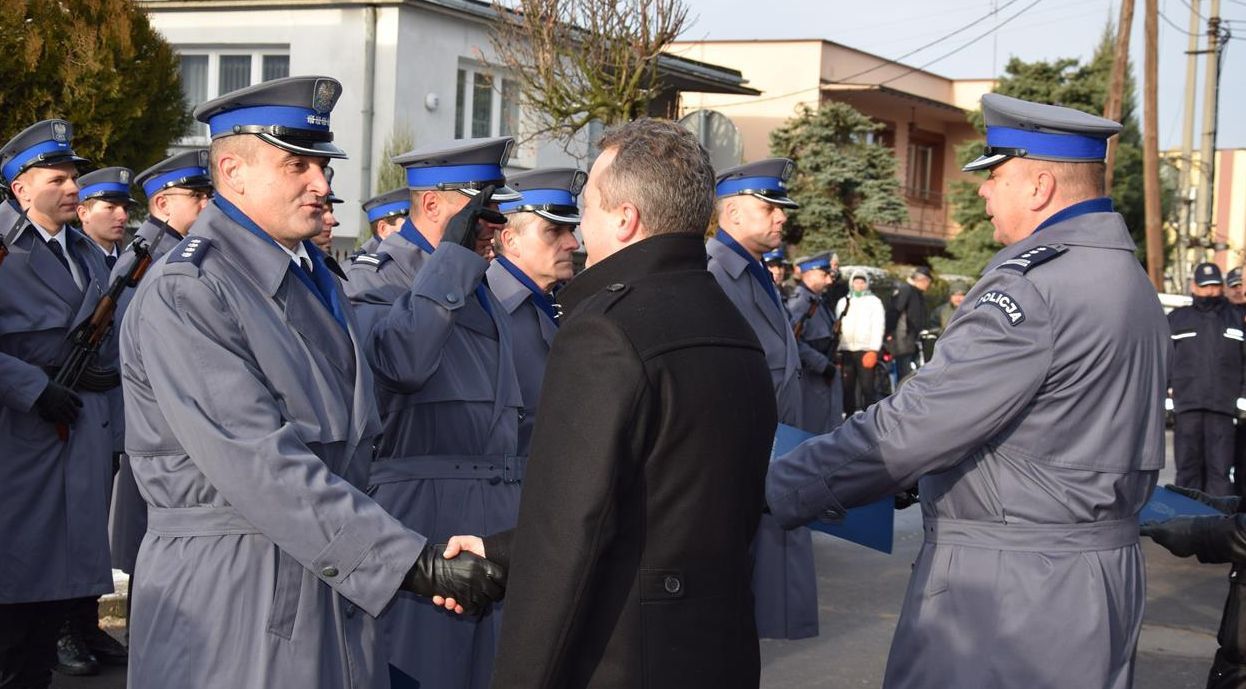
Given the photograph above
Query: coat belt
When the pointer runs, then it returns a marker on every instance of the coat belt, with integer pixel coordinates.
(495, 468)
(1045, 538)
(197, 521)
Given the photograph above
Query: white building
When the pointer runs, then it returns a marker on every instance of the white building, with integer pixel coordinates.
(414, 66)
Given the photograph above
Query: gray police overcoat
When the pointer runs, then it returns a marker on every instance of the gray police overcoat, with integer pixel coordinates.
(448, 462)
(822, 403)
(53, 515)
(532, 335)
(784, 582)
(250, 419)
(1036, 432)
(127, 519)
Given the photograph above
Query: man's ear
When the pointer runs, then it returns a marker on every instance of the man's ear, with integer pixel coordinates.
(630, 224)
(1044, 189)
(229, 167)
(430, 205)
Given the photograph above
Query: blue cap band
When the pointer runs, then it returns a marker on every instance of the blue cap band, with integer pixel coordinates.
(540, 197)
(269, 116)
(734, 186)
(386, 209)
(15, 165)
(1059, 146)
(776, 255)
(428, 177)
(102, 189)
(159, 182)
(820, 263)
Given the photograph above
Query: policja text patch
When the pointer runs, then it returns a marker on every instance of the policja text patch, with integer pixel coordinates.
(1002, 301)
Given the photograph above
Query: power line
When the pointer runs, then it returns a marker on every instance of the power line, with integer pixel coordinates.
(1191, 8)
(957, 50)
(1175, 27)
(936, 41)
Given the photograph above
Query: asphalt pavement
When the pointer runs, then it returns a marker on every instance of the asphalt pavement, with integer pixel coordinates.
(859, 596)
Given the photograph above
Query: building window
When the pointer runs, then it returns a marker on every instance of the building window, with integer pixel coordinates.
(924, 178)
(487, 104)
(207, 74)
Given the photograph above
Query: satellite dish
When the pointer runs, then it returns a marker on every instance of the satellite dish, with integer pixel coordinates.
(718, 134)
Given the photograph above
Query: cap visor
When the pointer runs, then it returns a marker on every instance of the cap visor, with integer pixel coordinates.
(321, 149)
(1205, 283)
(778, 201)
(500, 194)
(984, 162)
(559, 219)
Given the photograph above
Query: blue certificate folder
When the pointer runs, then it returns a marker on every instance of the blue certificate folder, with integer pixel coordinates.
(1165, 504)
(872, 525)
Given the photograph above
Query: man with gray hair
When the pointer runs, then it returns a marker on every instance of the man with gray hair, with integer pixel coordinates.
(630, 564)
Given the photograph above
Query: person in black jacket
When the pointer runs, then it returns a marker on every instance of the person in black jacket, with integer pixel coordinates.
(630, 564)
(1237, 297)
(1215, 540)
(908, 309)
(1206, 383)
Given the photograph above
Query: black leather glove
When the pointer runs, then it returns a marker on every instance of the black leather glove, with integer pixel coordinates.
(1210, 538)
(1225, 504)
(473, 582)
(58, 404)
(465, 225)
(907, 499)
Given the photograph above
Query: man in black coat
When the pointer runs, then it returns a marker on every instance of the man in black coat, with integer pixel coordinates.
(630, 563)
(1206, 383)
(908, 309)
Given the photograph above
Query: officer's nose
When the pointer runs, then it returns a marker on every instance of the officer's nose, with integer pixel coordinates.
(317, 183)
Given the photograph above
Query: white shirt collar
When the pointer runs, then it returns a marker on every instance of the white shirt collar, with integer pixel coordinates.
(59, 236)
(299, 252)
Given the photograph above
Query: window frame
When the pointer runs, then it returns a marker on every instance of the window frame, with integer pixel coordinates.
(524, 154)
(214, 53)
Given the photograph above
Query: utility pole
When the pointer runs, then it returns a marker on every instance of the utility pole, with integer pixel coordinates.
(1150, 148)
(1207, 152)
(1116, 90)
(1185, 177)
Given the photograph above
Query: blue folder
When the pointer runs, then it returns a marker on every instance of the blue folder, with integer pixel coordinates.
(1165, 504)
(872, 525)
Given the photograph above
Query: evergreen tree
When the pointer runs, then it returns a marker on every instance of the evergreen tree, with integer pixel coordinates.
(1070, 83)
(99, 65)
(845, 183)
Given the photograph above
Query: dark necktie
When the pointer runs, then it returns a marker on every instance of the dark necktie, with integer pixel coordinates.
(306, 264)
(55, 247)
(111, 261)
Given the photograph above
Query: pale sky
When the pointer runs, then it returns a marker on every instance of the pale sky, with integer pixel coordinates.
(1048, 29)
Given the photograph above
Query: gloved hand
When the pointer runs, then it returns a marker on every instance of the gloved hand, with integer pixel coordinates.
(1225, 504)
(869, 359)
(1210, 538)
(907, 499)
(58, 404)
(473, 582)
(465, 225)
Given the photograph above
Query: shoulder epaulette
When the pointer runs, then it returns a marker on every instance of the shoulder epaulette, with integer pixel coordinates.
(191, 250)
(1033, 258)
(373, 261)
(604, 299)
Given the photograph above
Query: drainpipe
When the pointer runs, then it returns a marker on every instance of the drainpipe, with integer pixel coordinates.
(369, 105)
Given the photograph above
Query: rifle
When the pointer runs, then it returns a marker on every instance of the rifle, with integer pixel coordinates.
(799, 328)
(90, 334)
(11, 235)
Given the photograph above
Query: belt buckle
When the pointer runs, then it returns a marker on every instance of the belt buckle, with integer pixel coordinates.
(512, 472)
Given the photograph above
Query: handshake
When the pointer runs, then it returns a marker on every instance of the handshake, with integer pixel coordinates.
(456, 576)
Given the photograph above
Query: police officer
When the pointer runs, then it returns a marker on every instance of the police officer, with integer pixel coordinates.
(104, 209)
(177, 190)
(535, 254)
(386, 214)
(780, 269)
(822, 394)
(440, 347)
(328, 221)
(55, 507)
(251, 420)
(750, 209)
(1031, 536)
(1233, 288)
(104, 203)
(1236, 295)
(1207, 383)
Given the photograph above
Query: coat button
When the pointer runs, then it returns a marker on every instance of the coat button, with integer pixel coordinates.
(614, 287)
(672, 585)
(329, 572)
(350, 609)
(452, 297)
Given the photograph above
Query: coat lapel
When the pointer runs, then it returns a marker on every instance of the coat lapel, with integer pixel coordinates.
(315, 324)
(49, 271)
